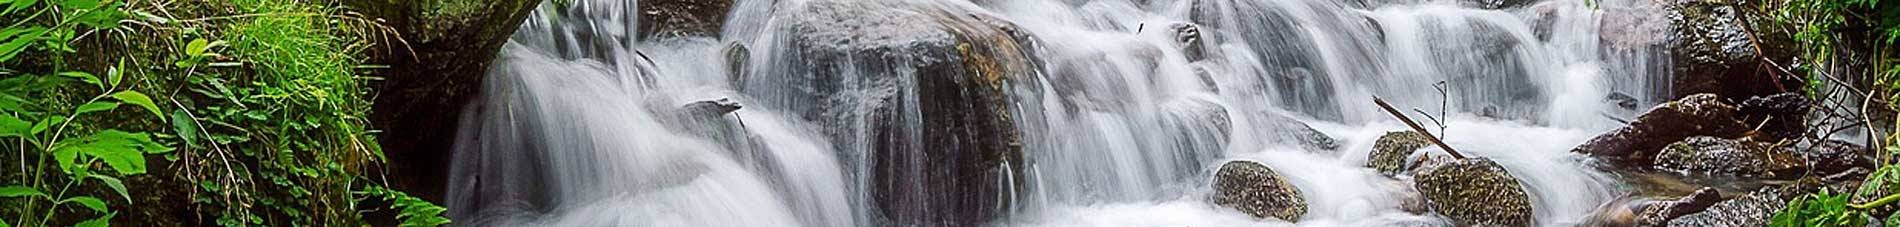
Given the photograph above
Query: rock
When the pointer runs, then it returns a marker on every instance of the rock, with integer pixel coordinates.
(1636, 144)
(1621, 100)
(1744, 158)
(1778, 117)
(1834, 156)
(1753, 209)
(1200, 129)
(1287, 69)
(1188, 36)
(1290, 131)
(738, 62)
(1496, 4)
(1659, 213)
(1256, 190)
(916, 89)
(682, 18)
(1475, 192)
(1713, 53)
(1390, 153)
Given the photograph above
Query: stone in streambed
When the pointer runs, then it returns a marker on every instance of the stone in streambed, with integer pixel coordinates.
(1475, 192)
(1753, 209)
(1257, 190)
(1636, 144)
(1729, 157)
(1389, 153)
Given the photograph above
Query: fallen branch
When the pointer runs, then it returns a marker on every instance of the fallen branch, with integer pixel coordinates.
(1421, 130)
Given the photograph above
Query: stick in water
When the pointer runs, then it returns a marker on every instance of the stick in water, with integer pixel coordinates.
(1421, 130)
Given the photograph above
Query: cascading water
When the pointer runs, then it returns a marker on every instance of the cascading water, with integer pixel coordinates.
(585, 123)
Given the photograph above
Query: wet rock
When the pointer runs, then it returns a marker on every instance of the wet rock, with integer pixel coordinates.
(1659, 213)
(1496, 4)
(1292, 131)
(1390, 153)
(1289, 69)
(1475, 192)
(1753, 209)
(1729, 157)
(1189, 37)
(1713, 53)
(1621, 100)
(1201, 129)
(1777, 117)
(1256, 190)
(682, 18)
(1636, 144)
(738, 62)
(1834, 156)
(917, 89)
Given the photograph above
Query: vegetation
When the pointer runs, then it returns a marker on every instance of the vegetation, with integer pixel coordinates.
(255, 114)
(1848, 42)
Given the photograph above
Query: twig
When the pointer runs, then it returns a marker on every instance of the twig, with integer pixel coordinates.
(1421, 130)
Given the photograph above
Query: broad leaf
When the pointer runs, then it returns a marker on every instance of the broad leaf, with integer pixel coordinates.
(84, 77)
(13, 47)
(186, 127)
(113, 75)
(19, 5)
(19, 191)
(12, 126)
(136, 98)
(95, 106)
(88, 201)
(196, 48)
(101, 221)
(115, 184)
(45, 124)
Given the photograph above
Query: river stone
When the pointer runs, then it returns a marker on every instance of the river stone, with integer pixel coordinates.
(1713, 53)
(682, 18)
(1659, 213)
(1833, 156)
(1390, 152)
(1637, 143)
(1188, 36)
(1753, 209)
(1256, 190)
(1287, 130)
(1496, 4)
(1778, 117)
(917, 91)
(1475, 192)
(1729, 157)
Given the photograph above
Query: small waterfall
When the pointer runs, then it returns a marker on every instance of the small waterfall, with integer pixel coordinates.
(1132, 104)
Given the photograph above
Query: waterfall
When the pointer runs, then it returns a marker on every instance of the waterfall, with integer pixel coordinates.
(582, 122)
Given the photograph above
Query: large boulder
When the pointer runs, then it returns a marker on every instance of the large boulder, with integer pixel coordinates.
(1660, 212)
(1753, 209)
(1714, 51)
(1475, 192)
(1833, 156)
(1390, 153)
(1256, 190)
(916, 93)
(1778, 117)
(1731, 157)
(682, 18)
(1637, 143)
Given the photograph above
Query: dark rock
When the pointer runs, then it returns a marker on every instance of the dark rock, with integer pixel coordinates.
(738, 62)
(1256, 190)
(682, 18)
(1390, 152)
(1624, 101)
(1659, 213)
(1744, 158)
(1496, 4)
(1288, 69)
(1714, 53)
(1834, 156)
(1189, 37)
(1200, 129)
(1777, 117)
(1637, 143)
(916, 90)
(1475, 192)
(1290, 131)
(1753, 209)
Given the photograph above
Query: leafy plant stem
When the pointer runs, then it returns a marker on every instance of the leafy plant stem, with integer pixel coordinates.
(1877, 203)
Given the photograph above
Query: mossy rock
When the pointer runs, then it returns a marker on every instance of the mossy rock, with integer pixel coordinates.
(1742, 158)
(1390, 151)
(1257, 190)
(1475, 192)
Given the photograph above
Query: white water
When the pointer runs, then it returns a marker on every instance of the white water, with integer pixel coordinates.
(579, 129)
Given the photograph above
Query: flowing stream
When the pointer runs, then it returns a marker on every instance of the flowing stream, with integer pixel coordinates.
(583, 124)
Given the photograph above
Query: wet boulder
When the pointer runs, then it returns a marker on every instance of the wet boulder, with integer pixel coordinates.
(1778, 117)
(1637, 143)
(1257, 190)
(1292, 131)
(1188, 36)
(1390, 153)
(1833, 156)
(1660, 212)
(682, 18)
(1753, 209)
(919, 91)
(1496, 4)
(1289, 70)
(1731, 157)
(1475, 192)
(1714, 51)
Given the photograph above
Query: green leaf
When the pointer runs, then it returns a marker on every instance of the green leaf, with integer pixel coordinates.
(113, 75)
(101, 221)
(85, 77)
(88, 201)
(196, 48)
(136, 98)
(45, 124)
(12, 126)
(20, 4)
(114, 183)
(186, 127)
(95, 106)
(18, 44)
(19, 191)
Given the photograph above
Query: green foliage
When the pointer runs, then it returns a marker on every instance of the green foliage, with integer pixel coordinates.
(1820, 209)
(412, 211)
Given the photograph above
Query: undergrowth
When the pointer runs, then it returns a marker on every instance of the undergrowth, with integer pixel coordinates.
(1849, 41)
(235, 113)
